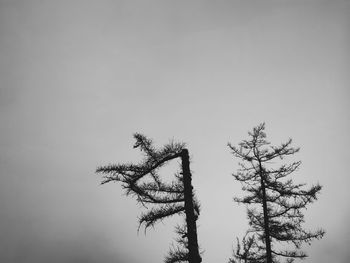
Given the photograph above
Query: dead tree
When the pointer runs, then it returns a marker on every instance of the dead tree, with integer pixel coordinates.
(161, 199)
(274, 202)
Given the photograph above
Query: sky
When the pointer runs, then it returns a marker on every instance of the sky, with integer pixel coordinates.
(79, 78)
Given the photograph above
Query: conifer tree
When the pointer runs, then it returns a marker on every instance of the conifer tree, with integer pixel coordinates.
(274, 203)
(161, 199)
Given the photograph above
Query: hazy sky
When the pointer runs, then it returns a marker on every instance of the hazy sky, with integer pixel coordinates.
(78, 78)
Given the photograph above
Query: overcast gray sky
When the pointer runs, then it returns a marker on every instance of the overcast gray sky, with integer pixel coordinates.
(78, 78)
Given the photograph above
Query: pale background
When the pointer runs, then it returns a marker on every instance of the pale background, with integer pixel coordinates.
(78, 78)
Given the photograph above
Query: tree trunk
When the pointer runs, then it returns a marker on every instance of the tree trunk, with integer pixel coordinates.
(191, 218)
(266, 220)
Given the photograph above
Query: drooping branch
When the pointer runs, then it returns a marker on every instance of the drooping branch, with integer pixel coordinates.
(159, 213)
(132, 176)
(179, 253)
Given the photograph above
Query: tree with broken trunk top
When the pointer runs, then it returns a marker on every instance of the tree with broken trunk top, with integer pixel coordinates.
(274, 202)
(161, 199)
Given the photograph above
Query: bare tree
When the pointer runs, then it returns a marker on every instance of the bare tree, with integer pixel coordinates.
(161, 199)
(274, 202)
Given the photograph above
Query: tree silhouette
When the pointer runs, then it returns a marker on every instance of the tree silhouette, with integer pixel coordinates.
(161, 199)
(274, 202)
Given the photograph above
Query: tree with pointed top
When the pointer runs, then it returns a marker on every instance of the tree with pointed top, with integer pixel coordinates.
(161, 199)
(274, 202)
